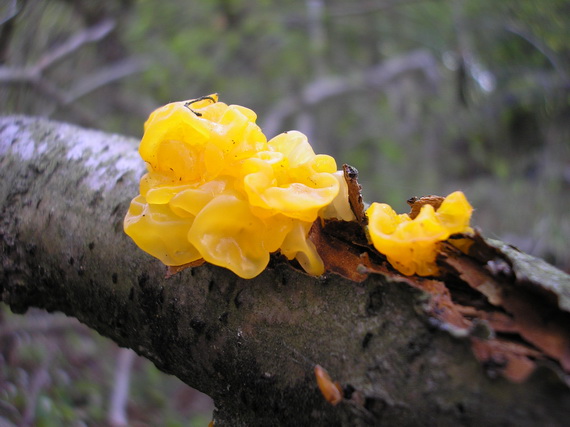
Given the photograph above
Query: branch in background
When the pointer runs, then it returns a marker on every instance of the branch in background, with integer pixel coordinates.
(538, 45)
(34, 75)
(328, 87)
(7, 27)
(13, 10)
(120, 395)
(90, 35)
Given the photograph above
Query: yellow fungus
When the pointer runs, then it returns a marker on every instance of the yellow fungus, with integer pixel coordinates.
(289, 176)
(339, 208)
(217, 189)
(228, 234)
(161, 233)
(411, 245)
(297, 246)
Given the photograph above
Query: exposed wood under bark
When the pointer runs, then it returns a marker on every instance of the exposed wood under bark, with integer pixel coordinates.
(406, 351)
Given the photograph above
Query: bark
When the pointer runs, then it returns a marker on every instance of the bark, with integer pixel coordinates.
(252, 345)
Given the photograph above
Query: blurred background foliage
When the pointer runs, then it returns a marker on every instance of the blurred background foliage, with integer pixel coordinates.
(423, 97)
(56, 372)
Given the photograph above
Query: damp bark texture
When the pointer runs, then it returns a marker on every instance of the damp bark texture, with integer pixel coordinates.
(252, 345)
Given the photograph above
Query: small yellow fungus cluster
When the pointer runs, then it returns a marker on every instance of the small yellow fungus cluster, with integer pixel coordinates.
(217, 189)
(411, 245)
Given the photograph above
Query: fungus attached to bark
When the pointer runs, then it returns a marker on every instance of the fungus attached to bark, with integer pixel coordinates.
(330, 390)
(217, 189)
(411, 245)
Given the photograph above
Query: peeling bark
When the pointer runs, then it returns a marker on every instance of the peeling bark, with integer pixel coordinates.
(252, 345)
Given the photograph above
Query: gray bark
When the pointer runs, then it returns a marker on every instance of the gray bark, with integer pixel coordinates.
(249, 344)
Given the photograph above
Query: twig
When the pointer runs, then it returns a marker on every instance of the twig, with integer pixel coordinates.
(120, 395)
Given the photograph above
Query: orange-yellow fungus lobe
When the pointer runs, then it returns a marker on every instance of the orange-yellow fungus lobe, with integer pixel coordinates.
(289, 178)
(411, 245)
(331, 391)
(228, 234)
(161, 233)
(217, 189)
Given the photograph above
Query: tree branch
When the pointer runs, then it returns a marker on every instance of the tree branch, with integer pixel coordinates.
(252, 344)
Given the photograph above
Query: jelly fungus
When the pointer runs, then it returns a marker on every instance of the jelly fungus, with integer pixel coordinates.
(217, 189)
(411, 245)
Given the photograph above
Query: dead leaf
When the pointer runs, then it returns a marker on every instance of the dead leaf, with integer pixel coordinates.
(343, 257)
